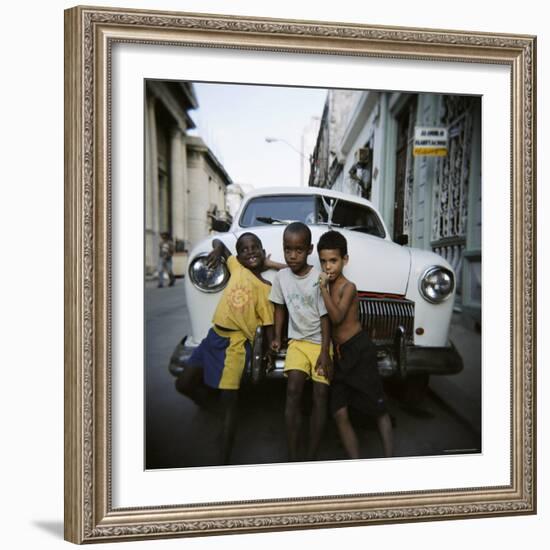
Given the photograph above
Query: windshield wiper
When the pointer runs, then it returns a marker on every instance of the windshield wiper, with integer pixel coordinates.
(331, 224)
(267, 219)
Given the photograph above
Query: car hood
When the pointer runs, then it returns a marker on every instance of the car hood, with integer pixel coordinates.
(375, 264)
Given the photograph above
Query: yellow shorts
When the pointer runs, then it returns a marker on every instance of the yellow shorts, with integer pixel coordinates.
(222, 355)
(302, 355)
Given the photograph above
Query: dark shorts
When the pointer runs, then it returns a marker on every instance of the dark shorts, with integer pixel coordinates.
(356, 381)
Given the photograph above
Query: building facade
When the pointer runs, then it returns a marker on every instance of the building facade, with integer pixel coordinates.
(326, 161)
(184, 182)
(233, 198)
(307, 144)
(366, 147)
(208, 181)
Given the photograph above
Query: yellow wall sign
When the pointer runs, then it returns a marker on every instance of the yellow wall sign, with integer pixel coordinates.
(430, 141)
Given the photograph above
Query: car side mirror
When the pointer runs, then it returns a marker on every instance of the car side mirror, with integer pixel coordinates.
(402, 239)
(220, 225)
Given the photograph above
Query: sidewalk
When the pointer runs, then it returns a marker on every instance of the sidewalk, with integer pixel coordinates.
(462, 392)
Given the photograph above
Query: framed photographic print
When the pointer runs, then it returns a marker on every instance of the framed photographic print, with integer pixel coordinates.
(184, 134)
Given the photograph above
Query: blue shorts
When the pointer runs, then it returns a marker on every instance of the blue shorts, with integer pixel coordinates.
(222, 355)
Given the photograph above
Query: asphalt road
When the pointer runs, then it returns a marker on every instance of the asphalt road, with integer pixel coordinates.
(179, 434)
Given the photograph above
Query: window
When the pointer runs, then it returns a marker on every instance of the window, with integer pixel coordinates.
(310, 209)
(279, 209)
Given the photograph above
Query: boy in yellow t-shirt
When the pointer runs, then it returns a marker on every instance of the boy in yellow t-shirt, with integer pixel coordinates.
(220, 359)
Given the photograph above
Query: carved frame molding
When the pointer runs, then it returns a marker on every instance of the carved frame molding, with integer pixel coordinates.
(89, 35)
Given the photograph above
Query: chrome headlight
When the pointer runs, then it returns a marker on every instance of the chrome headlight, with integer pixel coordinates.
(437, 284)
(205, 278)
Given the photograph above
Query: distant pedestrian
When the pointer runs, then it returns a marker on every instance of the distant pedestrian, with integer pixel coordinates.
(166, 251)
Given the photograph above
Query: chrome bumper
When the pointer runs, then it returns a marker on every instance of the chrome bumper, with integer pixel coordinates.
(398, 360)
(402, 364)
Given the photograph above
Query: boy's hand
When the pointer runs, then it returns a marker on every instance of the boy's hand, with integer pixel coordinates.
(270, 360)
(276, 344)
(213, 259)
(323, 367)
(323, 280)
(272, 264)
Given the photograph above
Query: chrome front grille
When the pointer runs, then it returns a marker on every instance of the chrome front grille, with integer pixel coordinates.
(382, 316)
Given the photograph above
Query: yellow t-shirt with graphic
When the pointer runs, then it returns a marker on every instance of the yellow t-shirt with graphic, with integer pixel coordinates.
(244, 304)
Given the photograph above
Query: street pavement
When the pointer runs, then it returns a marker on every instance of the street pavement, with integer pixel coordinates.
(462, 391)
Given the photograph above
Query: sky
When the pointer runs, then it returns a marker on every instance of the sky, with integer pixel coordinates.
(235, 119)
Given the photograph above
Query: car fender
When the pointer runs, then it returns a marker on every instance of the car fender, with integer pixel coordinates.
(432, 320)
(202, 305)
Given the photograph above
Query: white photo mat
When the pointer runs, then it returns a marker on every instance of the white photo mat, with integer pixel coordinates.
(132, 486)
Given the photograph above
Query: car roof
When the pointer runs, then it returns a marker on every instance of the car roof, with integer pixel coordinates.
(263, 191)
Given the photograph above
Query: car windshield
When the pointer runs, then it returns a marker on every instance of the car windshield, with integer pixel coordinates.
(311, 209)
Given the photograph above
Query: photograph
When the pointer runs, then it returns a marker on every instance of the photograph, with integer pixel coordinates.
(312, 274)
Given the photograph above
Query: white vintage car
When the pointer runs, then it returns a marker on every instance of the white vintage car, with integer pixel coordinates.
(406, 294)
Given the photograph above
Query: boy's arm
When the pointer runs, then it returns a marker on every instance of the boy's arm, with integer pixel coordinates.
(271, 264)
(279, 319)
(277, 298)
(337, 311)
(324, 362)
(268, 340)
(219, 250)
(269, 333)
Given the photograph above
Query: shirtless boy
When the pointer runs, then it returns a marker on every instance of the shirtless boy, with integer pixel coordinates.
(356, 381)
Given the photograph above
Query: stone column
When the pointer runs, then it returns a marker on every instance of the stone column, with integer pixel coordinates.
(185, 191)
(151, 187)
(379, 154)
(387, 171)
(198, 196)
(179, 196)
(177, 172)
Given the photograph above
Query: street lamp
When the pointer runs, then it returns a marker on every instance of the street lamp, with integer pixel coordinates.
(274, 139)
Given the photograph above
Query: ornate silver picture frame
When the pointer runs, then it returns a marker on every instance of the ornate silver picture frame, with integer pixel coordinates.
(90, 35)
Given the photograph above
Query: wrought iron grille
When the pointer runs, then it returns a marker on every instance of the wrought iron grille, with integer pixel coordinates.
(381, 318)
(450, 194)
